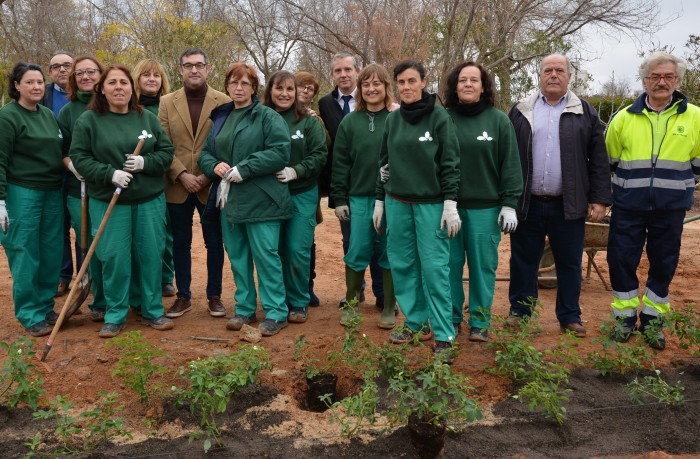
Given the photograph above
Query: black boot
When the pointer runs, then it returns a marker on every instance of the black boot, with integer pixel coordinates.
(651, 327)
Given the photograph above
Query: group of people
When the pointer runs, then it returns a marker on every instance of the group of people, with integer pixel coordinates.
(419, 188)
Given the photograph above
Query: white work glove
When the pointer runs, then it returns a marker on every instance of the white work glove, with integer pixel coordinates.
(377, 216)
(507, 220)
(450, 218)
(222, 194)
(121, 178)
(4, 219)
(71, 168)
(384, 173)
(343, 213)
(286, 175)
(133, 163)
(233, 175)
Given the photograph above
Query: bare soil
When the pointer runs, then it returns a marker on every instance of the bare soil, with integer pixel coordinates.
(270, 420)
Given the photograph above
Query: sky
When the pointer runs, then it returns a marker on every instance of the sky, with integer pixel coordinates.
(623, 59)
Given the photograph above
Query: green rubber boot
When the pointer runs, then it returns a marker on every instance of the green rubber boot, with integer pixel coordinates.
(353, 282)
(388, 317)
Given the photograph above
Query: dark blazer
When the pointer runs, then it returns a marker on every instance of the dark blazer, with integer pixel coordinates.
(332, 115)
(584, 160)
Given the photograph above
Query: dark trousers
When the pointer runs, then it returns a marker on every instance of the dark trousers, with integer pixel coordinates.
(67, 259)
(181, 219)
(374, 268)
(661, 230)
(527, 244)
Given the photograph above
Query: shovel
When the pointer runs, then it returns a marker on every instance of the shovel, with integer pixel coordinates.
(84, 283)
(86, 261)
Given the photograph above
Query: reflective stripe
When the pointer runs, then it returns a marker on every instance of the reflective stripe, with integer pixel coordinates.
(668, 184)
(660, 308)
(635, 164)
(625, 308)
(673, 165)
(654, 297)
(626, 295)
(695, 162)
(650, 311)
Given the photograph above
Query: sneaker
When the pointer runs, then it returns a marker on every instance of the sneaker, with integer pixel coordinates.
(576, 328)
(40, 329)
(478, 335)
(159, 323)
(651, 329)
(111, 330)
(62, 289)
(270, 327)
(51, 317)
(404, 335)
(297, 315)
(168, 289)
(216, 307)
(179, 307)
(623, 328)
(238, 320)
(443, 351)
(97, 315)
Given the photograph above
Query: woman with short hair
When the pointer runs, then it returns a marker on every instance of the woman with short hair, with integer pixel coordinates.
(31, 202)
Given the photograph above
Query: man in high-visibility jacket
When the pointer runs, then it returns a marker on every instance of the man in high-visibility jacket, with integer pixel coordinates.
(654, 150)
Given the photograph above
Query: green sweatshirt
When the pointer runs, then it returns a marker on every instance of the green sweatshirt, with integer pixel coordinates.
(101, 144)
(489, 160)
(66, 120)
(356, 156)
(309, 151)
(423, 158)
(30, 148)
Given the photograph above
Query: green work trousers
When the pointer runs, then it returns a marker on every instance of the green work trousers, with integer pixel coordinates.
(94, 268)
(419, 253)
(477, 243)
(296, 237)
(363, 235)
(255, 246)
(168, 275)
(34, 248)
(131, 247)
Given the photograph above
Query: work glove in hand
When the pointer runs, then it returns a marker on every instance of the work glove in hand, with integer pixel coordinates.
(4, 219)
(343, 213)
(133, 163)
(222, 194)
(286, 175)
(121, 178)
(377, 216)
(507, 220)
(71, 168)
(384, 173)
(450, 218)
(233, 175)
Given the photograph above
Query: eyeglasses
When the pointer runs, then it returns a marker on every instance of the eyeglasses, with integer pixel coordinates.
(655, 78)
(198, 66)
(371, 121)
(242, 84)
(88, 72)
(65, 66)
(307, 88)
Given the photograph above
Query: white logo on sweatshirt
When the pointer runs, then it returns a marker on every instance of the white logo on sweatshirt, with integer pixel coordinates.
(60, 134)
(298, 135)
(485, 136)
(145, 135)
(426, 137)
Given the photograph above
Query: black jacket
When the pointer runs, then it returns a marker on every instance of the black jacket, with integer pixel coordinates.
(584, 159)
(332, 115)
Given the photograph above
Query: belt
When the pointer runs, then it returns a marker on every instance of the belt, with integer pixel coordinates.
(543, 198)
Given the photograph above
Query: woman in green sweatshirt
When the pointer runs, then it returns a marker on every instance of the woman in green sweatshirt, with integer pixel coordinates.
(247, 145)
(308, 155)
(353, 186)
(420, 146)
(81, 84)
(151, 83)
(31, 203)
(489, 188)
(104, 138)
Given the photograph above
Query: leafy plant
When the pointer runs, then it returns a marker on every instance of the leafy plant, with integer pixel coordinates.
(213, 381)
(86, 431)
(685, 324)
(617, 357)
(20, 381)
(657, 388)
(137, 364)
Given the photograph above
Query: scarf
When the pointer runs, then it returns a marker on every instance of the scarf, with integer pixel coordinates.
(147, 101)
(470, 108)
(413, 113)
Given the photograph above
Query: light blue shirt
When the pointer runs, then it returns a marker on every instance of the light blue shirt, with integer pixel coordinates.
(546, 156)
